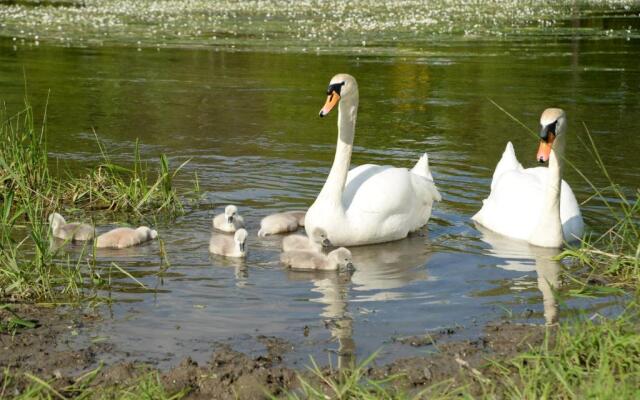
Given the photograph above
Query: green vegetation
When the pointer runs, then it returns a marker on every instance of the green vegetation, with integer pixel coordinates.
(350, 383)
(30, 267)
(148, 386)
(583, 358)
(114, 187)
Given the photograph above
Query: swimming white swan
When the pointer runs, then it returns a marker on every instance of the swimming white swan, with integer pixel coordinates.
(534, 204)
(73, 231)
(302, 242)
(120, 238)
(313, 260)
(229, 246)
(288, 221)
(370, 203)
(230, 221)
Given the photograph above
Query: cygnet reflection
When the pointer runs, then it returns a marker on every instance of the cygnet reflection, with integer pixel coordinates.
(334, 291)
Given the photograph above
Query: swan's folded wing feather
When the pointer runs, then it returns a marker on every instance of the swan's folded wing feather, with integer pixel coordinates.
(508, 162)
(377, 189)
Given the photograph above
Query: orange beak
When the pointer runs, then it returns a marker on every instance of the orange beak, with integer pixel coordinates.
(331, 102)
(544, 151)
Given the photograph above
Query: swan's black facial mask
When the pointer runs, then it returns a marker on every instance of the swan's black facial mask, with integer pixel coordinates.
(546, 130)
(336, 87)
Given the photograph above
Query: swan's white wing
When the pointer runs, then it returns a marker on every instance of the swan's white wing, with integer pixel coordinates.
(514, 205)
(513, 208)
(377, 189)
(508, 162)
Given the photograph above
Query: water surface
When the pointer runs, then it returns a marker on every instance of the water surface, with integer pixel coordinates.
(248, 122)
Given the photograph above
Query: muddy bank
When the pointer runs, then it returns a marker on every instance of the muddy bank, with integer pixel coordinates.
(50, 352)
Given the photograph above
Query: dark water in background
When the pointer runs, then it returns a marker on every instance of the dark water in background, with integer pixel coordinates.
(248, 122)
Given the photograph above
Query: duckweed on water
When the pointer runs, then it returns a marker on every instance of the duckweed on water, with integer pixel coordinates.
(308, 25)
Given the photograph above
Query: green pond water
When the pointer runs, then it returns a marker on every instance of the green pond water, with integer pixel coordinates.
(248, 122)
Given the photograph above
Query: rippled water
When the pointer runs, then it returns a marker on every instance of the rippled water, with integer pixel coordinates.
(248, 122)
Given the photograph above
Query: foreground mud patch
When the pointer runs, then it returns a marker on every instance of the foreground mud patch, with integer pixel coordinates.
(49, 351)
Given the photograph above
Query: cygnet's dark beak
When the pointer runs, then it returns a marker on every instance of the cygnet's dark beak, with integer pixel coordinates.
(326, 243)
(230, 219)
(242, 247)
(349, 266)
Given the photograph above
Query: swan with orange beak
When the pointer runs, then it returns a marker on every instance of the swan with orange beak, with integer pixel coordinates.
(369, 203)
(534, 204)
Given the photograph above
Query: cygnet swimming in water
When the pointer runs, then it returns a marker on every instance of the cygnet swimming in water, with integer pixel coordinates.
(312, 260)
(229, 246)
(284, 222)
(73, 231)
(230, 221)
(121, 238)
(301, 242)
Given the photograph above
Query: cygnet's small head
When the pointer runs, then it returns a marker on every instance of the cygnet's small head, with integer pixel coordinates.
(319, 235)
(342, 257)
(230, 212)
(553, 122)
(147, 232)
(240, 237)
(56, 219)
(341, 86)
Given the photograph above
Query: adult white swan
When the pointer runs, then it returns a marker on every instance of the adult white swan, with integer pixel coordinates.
(370, 203)
(534, 204)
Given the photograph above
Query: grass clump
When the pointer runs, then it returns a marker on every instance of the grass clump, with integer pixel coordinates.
(115, 187)
(582, 358)
(28, 386)
(352, 383)
(30, 267)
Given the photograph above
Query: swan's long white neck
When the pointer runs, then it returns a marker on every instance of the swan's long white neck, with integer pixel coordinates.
(334, 186)
(548, 233)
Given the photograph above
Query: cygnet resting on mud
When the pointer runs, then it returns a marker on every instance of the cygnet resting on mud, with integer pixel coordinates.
(229, 246)
(73, 231)
(311, 260)
(230, 221)
(284, 222)
(121, 238)
(301, 242)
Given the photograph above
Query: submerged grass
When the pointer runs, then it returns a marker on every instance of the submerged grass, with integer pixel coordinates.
(30, 268)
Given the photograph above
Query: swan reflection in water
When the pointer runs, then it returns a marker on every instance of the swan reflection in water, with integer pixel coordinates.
(378, 268)
(518, 255)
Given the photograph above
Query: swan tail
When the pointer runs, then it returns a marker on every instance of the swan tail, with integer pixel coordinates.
(422, 167)
(508, 162)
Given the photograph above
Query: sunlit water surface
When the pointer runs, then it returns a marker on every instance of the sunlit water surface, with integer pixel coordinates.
(248, 123)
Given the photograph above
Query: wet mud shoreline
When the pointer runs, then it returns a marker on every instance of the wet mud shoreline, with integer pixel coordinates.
(49, 352)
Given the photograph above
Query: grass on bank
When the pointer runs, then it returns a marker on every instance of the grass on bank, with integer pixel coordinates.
(30, 267)
(148, 386)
